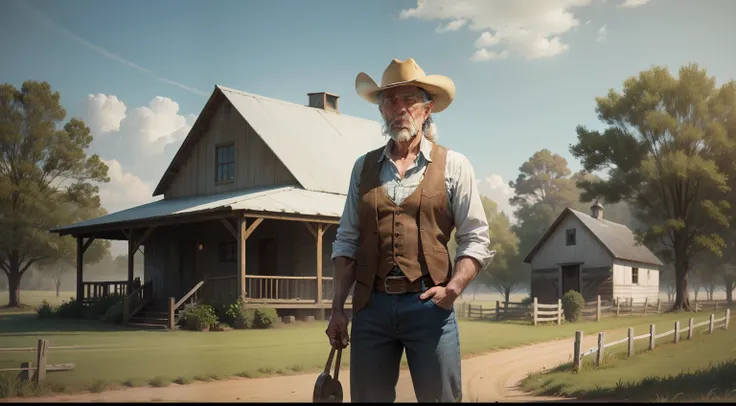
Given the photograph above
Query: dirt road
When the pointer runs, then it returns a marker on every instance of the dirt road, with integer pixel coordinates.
(486, 378)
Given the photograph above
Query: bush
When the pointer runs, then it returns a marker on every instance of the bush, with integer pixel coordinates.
(200, 317)
(240, 317)
(527, 301)
(99, 308)
(572, 305)
(266, 318)
(45, 310)
(114, 313)
(73, 309)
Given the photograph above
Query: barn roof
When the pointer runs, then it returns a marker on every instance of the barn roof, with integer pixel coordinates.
(618, 239)
(300, 136)
(271, 199)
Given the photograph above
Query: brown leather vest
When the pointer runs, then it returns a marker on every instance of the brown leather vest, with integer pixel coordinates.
(412, 235)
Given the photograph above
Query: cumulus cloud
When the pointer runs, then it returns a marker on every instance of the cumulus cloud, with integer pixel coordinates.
(137, 144)
(529, 29)
(602, 32)
(633, 3)
(493, 187)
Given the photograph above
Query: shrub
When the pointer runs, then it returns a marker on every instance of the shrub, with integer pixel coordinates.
(114, 313)
(527, 301)
(100, 308)
(73, 309)
(572, 305)
(240, 317)
(266, 318)
(45, 310)
(200, 317)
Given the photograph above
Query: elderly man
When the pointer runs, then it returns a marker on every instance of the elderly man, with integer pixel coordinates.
(403, 202)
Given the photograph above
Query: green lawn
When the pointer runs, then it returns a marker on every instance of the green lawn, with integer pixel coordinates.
(32, 298)
(699, 370)
(123, 355)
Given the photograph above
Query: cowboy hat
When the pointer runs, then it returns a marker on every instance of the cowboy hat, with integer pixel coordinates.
(407, 73)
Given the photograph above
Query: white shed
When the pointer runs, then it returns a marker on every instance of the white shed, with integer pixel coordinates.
(593, 256)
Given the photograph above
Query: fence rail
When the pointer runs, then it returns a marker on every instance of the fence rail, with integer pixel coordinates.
(38, 374)
(652, 336)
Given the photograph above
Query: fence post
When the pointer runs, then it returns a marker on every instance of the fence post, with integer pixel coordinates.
(677, 331)
(631, 342)
(659, 301)
(171, 313)
(598, 309)
(534, 311)
(498, 310)
(728, 316)
(716, 305)
(559, 313)
(651, 337)
(710, 323)
(618, 307)
(646, 304)
(690, 329)
(43, 346)
(577, 362)
(599, 355)
(631, 305)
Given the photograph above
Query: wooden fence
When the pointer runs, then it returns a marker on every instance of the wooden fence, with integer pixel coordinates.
(534, 312)
(652, 336)
(37, 374)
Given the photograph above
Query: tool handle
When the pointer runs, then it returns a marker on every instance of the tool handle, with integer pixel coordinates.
(328, 365)
(337, 363)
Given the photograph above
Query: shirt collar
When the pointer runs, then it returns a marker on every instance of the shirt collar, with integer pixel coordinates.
(425, 149)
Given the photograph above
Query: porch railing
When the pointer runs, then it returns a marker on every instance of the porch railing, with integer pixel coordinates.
(100, 289)
(138, 299)
(268, 288)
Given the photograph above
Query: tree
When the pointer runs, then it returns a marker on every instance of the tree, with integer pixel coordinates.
(660, 150)
(504, 274)
(45, 178)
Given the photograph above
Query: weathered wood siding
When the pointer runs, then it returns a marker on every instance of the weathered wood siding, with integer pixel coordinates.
(597, 281)
(587, 249)
(545, 285)
(255, 163)
(648, 286)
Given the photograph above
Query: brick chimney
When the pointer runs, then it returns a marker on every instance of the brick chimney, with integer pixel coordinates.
(323, 100)
(596, 210)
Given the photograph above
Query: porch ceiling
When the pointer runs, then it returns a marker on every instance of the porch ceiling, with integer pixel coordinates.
(280, 202)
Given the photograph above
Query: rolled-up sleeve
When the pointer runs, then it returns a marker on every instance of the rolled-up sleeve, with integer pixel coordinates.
(348, 231)
(471, 224)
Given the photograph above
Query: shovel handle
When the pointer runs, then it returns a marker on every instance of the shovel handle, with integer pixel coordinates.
(337, 363)
(328, 365)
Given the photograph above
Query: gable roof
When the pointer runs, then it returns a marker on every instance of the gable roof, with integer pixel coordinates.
(618, 239)
(318, 147)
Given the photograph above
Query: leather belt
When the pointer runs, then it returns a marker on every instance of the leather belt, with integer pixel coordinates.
(400, 284)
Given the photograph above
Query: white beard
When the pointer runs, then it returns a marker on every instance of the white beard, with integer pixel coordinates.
(402, 134)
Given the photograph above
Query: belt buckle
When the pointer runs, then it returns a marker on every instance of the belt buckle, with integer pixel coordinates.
(389, 291)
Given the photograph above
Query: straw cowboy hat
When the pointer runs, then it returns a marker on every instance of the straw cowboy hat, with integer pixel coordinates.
(407, 73)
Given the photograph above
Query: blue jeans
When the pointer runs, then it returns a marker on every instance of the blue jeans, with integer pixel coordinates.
(380, 332)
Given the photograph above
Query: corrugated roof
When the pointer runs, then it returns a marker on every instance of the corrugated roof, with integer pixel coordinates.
(272, 199)
(318, 147)
(618, 239)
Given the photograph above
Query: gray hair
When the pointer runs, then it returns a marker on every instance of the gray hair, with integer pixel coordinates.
(429, 128)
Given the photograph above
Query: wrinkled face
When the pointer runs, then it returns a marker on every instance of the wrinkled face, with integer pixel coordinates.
(404, 109)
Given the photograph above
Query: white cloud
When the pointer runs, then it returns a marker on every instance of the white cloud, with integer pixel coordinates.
(529, 29)
(633, 3)
(124, 190)
(104, 113)
(602, 33)
(451, 26)
(494, 188)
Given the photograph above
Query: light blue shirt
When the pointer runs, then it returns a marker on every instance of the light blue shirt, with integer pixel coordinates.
(464, 204)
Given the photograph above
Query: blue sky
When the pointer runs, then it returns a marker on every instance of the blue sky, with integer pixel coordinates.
(505, 108)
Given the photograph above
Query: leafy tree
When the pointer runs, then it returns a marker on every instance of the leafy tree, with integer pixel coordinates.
(45, 179)
(505, 273)
(661, 148)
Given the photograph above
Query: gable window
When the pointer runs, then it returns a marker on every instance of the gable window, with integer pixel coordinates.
(635, 276)
(226, 252)
(570, 236)
(224, 163)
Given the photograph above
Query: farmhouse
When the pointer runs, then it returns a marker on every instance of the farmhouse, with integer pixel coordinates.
(593, 256)
(250, 206)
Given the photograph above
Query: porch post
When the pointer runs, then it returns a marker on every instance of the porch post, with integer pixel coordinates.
(80, 268)
(320, 232)
(131, 255)
(242, 238)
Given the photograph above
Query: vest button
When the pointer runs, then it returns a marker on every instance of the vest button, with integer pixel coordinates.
(397, 234)
(397, 224)
(396, 245)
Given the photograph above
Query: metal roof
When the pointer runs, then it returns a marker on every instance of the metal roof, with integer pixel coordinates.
(272, 199)
(618, 239)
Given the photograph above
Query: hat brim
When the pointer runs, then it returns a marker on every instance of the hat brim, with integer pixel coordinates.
(440, 88)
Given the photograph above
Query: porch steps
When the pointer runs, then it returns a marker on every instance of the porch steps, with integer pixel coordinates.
(150, 318)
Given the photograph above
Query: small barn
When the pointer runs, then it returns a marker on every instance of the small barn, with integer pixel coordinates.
(250, 205)
(593, 256)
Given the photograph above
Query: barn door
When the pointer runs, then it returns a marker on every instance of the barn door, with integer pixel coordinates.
(570, 278)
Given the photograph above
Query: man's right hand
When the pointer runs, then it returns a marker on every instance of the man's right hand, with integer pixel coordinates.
(337, 329)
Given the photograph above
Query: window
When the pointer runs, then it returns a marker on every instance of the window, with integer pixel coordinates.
(635, 276)
(225, 163)
(570, 236)
(226, 252)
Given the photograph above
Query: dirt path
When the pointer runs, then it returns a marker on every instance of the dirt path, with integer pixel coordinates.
(489, 377)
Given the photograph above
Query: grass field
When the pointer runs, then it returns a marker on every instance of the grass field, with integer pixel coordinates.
(699, 370)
